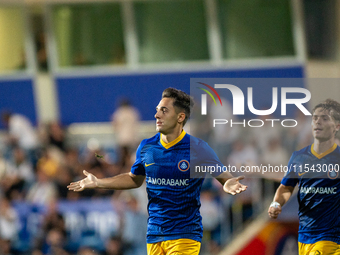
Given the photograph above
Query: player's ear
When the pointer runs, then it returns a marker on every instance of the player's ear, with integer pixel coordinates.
(181, 117)
(337, 126)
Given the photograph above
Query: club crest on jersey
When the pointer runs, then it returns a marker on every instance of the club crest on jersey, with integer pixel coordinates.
(332, 174)
(183, 165)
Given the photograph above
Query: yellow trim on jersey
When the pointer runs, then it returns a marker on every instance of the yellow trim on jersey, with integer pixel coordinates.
(177, 140)
(181, 246)
(324, 153)
(321, 247)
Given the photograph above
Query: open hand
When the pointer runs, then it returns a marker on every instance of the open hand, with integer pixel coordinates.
(233, 186)
(89, 182)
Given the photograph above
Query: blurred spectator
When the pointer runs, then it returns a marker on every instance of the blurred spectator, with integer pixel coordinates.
(142, 197)
(261, 136)
(63, 178)
(55, 242)
(246, 155)
(125, 161)
(8, 223)
(210, 219)
(52, 220)
(90, 160)
(48, 163)
(125, 121)
(72, 164)
(55, 135)
(19, 175)
(243, 154)
(113, 246)
(300, 136)
(21, 133)
(223, 136)
(2, 169)
(200, 125)
(87, 251)
(5, 247)
(275, 155)
(43, 191)
(209, 211)
(134, 226)
(41, 51)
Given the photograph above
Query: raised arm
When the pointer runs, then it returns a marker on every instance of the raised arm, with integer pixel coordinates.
(282, 195)
(119, 182)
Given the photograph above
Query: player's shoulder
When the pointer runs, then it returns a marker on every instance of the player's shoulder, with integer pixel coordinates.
(199, 146)
(337, 149)
(151, 140)
(195, 141)
(304, 151)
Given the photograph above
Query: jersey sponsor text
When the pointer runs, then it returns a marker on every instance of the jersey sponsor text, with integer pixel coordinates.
(170, 182)
(318, 190)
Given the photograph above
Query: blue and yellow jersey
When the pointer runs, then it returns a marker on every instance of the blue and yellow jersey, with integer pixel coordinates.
(318, 194)
(174, 197)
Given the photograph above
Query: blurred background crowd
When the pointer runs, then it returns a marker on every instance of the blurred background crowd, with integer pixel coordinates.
(37, 164)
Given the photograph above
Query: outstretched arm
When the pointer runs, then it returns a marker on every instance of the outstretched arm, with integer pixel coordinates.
(231, 184)
(282, 195)
(119, 182)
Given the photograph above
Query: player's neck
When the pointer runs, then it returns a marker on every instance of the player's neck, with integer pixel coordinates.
(168, 138)
(322, 146)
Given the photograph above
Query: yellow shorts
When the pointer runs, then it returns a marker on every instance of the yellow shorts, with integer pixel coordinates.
(319, 248)
(181, 246)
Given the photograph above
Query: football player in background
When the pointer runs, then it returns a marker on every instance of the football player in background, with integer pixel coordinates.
(316, 169)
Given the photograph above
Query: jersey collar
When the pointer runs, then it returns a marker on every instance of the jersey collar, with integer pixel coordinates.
(177, 140)
(319, 156)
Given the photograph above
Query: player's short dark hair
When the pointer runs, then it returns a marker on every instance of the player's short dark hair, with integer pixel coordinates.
(332, 106)
(182, 101)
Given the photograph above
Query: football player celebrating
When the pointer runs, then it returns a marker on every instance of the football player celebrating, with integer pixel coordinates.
(174, 223)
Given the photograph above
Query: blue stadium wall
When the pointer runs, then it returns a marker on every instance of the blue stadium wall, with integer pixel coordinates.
(18, 96)
(94, 99)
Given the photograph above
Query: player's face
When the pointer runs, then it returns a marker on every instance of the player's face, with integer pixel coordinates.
(166, 116)
(324, 126)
